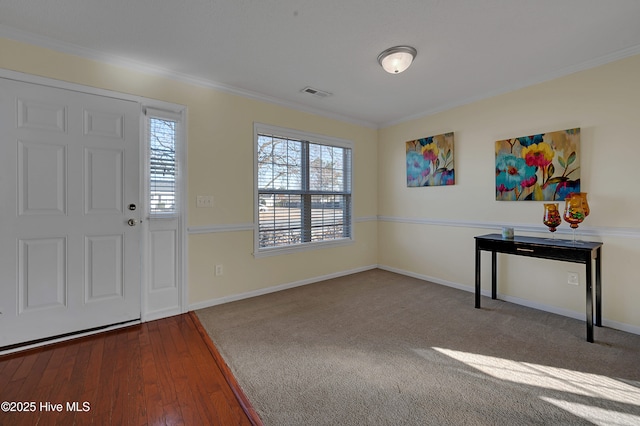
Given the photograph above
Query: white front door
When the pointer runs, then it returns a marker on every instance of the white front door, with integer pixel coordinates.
(69, 173)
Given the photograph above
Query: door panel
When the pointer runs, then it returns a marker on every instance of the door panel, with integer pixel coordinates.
(103, 268)
(42, 272)
(69, 163)
(42, 171)
(103, 181)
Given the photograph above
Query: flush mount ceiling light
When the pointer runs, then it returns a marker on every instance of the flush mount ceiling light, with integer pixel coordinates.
(396, 59)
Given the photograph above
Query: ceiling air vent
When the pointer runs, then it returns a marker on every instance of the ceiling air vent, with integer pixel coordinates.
(315, 92)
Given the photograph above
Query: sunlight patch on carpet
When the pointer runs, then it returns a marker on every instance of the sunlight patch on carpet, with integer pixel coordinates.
(596, 415)
(574, 383)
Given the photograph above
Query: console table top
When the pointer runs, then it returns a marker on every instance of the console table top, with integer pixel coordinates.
(548, 242)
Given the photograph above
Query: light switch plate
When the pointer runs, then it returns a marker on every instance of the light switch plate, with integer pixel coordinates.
(204, 201)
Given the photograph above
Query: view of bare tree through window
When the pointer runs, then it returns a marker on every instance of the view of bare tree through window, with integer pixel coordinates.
(304, 191)
(162, 166)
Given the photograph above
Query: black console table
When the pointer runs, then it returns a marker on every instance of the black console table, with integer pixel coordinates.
(581, 252)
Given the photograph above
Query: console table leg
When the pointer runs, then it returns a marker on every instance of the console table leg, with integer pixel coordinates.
(494, 276)
(477, 276)
(589, 288)
(598, 320)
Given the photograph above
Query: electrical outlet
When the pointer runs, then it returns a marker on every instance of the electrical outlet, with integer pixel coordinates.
(218, 270)
(572, 278)
(204, 201)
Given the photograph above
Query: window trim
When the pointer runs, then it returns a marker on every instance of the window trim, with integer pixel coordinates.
(260, 128)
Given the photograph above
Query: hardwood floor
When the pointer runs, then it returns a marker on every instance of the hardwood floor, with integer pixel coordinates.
(157, 373)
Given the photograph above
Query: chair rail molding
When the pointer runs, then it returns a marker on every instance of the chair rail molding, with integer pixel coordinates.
(590, 231)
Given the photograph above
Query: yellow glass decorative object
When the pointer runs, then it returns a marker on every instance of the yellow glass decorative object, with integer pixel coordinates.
(585, 204)
(551, 218)
(576, 210)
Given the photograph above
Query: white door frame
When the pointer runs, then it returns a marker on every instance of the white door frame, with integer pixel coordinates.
(157, 303)
(180, 184)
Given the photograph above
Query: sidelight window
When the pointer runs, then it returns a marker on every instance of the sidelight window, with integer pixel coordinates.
(162, 134)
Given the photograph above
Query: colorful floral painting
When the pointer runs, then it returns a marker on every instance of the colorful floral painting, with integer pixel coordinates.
(544, 167)
(430, 161)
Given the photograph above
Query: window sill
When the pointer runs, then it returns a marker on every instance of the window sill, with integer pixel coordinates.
(276, 251)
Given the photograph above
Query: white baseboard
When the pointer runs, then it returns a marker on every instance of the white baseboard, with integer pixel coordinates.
(426, 278)
(621, 326)
(516, 300)
(262, 291)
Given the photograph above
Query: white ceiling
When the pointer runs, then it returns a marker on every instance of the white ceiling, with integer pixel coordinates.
(271, 49)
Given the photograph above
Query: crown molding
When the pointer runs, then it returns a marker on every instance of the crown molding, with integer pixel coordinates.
(45, 42)
(582, 66)
(72, 49)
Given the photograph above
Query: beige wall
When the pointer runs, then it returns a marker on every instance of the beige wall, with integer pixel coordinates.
(605, 103)
(220, 163)
(412, 237)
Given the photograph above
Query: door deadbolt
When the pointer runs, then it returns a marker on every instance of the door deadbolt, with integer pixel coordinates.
(132, 207)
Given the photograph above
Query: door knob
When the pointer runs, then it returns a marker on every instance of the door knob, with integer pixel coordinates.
(132, 222)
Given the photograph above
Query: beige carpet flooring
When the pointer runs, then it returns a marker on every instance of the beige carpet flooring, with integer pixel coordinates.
(378, 348)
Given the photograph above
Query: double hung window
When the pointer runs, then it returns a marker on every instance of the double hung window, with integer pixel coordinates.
(303, 189)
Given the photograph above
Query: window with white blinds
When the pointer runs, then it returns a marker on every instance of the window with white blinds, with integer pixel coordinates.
(162, 133)
(303, 194)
